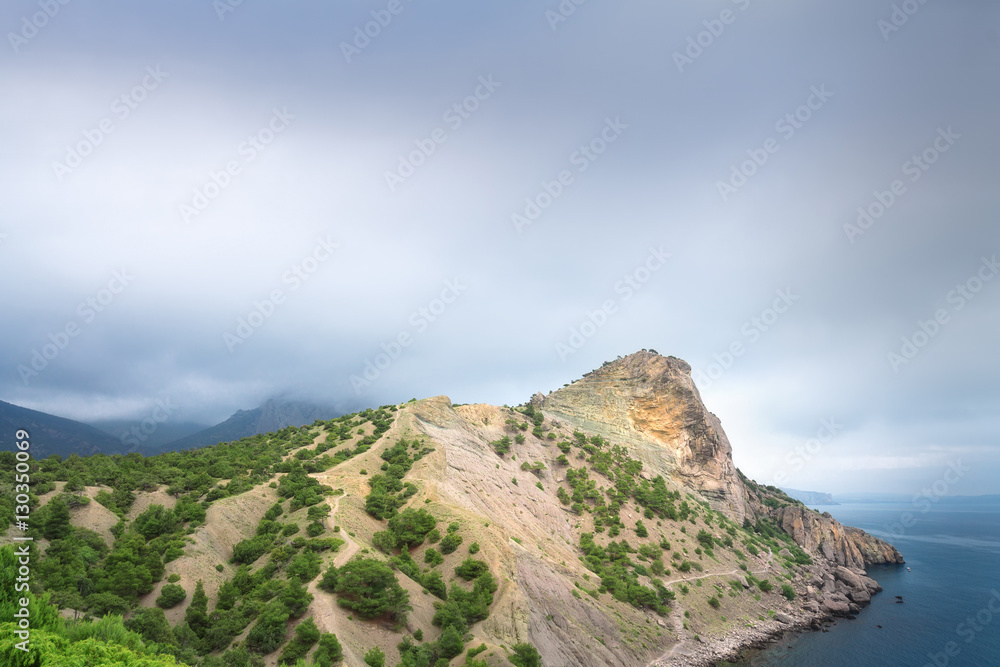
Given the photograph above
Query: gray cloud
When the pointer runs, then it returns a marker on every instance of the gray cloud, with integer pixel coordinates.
(655, 185)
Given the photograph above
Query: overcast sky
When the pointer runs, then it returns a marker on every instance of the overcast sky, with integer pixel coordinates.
(667, 171)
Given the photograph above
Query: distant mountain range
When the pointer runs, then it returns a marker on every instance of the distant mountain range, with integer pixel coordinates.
(811, 497)
(273, 415)
(56, 435)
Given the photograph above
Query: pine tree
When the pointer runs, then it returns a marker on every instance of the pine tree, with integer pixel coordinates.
(197, 612)
(57, 522)
(450, 643)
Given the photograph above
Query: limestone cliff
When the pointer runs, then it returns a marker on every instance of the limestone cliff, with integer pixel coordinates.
(650, 404)
(821, 534)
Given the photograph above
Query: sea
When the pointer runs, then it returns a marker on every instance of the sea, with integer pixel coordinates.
(949, 587)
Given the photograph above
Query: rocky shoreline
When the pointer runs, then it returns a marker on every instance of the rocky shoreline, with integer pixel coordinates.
(831, 592)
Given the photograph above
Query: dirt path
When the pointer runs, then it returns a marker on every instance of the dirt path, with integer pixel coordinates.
(679, 649)
(351, 547)
(324, 609)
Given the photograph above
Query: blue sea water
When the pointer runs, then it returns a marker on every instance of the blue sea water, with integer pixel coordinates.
(953, 551)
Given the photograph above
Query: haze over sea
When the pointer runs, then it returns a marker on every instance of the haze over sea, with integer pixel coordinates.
(953, 552)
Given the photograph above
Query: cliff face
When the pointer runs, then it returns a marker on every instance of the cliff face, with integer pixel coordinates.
(650, 404)
(821, 534)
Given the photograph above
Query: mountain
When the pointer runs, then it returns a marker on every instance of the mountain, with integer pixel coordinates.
(149, 435)
(273, 415)
(54, 435)
(811, 497)
(601, 524)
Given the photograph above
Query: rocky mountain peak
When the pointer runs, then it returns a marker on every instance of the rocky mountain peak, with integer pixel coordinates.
(649, 403)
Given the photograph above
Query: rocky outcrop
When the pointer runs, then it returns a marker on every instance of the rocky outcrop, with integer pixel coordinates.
(822, 535)
(649, 404)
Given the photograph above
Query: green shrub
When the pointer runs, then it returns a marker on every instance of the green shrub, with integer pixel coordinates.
(432, 557)
(171, 595)
(385, 541)
(471, 569)
(329, 651)
(433, 582)
(375, 657)
(412, 526)
(306, 634)
(450, 542)
(369, 587)
(525, 655)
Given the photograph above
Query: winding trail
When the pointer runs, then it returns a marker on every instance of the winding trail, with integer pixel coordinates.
(324, 608)
(677, 621)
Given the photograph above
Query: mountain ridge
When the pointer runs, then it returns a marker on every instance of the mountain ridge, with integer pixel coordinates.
(608, 517)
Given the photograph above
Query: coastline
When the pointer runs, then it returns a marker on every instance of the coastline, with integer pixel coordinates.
(832, 592)
(734, 645)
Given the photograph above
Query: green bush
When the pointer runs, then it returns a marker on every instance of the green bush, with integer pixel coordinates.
(306, 634)
(269, 631)
(525, 655)
(369, 588)
(450, 542)
(385, 541)
(432, 557)
(412, 526)
(471, 569)
(329, 651)
(171, 595)
(788, 592)
(433, 582)
(249, 550)
(375, 657)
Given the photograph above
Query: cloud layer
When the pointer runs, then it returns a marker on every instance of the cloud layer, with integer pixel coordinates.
(464, 189)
